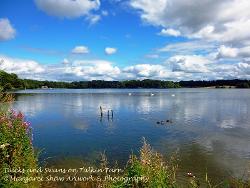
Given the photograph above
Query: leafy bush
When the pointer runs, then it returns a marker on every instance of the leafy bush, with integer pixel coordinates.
(16, 150)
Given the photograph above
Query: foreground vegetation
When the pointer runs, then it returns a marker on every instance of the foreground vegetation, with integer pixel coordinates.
(16, 150)
(154, 170)
(11, 81)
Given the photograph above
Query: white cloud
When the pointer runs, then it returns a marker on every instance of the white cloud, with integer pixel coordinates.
(92, 70)
(178, 67)
(205, 32)
(145, 70)
(218, 38)
(85, 70)
(227, 52)
(93, 18)
(170, 32)
(227, 71)
(244, 52)
(80, 50)
(224, 20)
(148, 71)
(150, 11)
(235, 32)
(110, 51)
(98, 67)
(21, 67)
(7, 31)
(189, 64)
(230, 52)
(77, 70)
(68, 8)
(190, 47)
(245, 67)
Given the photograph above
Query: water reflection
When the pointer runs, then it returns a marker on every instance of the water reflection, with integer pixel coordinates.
(208, 125)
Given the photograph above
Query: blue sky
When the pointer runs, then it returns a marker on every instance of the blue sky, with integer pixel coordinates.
(130, 39)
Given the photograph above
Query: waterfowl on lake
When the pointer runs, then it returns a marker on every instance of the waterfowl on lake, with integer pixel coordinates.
(164, 122)
(129, 94)
(152, 94)
(169, 121)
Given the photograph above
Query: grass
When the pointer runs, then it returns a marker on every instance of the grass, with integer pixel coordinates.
(150, 164)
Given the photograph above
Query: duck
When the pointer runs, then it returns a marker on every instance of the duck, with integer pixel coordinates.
(169, 121)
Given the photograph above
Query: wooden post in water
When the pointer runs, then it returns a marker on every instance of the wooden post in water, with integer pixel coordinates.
(112, 114)
(101, 111)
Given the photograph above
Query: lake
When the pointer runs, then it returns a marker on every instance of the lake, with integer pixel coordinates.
(209, 128)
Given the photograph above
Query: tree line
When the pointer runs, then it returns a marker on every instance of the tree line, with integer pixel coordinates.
(216, 83)
(12, 81)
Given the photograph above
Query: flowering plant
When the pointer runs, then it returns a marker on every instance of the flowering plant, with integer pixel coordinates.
(16, 150)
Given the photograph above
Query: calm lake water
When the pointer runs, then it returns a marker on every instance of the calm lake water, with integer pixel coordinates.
(210, 127)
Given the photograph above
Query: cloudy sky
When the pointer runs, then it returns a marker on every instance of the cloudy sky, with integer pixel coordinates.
(125, 39)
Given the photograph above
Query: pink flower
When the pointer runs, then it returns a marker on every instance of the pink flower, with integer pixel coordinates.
(20, 115)
(26, 124)
(14, 113)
